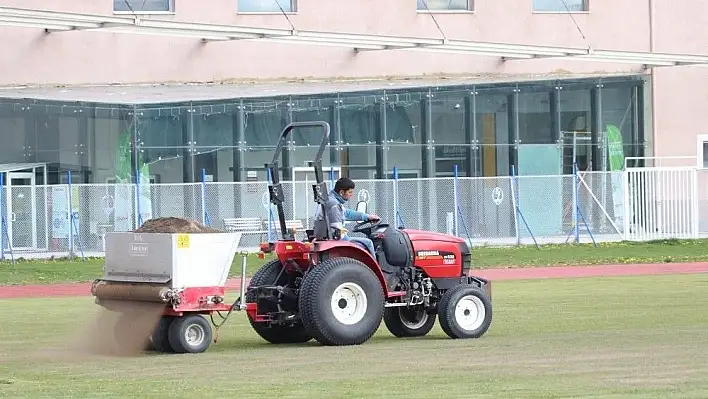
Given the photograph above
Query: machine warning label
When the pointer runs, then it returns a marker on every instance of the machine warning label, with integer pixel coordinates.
(182, 241)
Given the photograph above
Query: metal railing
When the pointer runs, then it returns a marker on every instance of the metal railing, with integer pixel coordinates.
(636, 204)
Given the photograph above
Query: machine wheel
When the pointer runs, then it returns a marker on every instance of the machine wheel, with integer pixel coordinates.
(190, 334)
(465, 311)
(160, 340)
(341, 302)
(408, 322)
(275, 334)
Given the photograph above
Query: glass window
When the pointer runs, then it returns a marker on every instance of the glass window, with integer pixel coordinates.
(575, 128)
(360, 126)
(142, 5)
(163, 141)
(306, 141)
(266, 5)
(535, 115)
(704, 144)
(450, 132)
(492, 131)
(448, 117)
(437, 5)
(560, 5)
(215, 139)
(263, 121)
(618, 111)
(403, 124)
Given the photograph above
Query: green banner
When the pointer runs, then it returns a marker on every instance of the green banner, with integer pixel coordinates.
(615, 154)
(615, 150)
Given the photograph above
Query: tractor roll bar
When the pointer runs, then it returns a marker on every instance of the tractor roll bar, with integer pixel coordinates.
(275, 188)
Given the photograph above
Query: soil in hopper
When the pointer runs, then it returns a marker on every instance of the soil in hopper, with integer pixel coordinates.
(100, 339)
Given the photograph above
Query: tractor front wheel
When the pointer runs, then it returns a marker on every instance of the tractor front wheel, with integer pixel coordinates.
(406, 322)
(465, 311)
(341, 302)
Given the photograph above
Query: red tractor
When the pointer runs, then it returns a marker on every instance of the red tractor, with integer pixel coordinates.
(334, 291)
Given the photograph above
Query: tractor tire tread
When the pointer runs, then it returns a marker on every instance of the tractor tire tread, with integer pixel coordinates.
(446, 311)
(395, 325)
(312, 316)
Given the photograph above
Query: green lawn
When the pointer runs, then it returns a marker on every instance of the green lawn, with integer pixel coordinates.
(622, 337)
(61, 270)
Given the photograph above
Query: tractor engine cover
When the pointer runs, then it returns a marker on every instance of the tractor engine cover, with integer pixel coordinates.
(440, 255)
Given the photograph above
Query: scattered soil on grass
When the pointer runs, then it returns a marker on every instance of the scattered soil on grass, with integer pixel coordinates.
(122, 331)
(175, 225)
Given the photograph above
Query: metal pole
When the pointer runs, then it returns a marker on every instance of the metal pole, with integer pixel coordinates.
(71, 219)
(395, 195)
(3, 217)
(244, 262)
(203, 195)
(454, 194)
(139, 217)
(575, 202)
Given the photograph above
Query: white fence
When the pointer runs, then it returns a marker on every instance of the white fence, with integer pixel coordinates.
(638, 204)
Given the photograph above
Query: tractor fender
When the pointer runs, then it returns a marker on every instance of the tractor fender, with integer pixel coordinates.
(345, 249)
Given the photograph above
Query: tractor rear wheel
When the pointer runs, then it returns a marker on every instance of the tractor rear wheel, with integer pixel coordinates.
(275, 334)
(341, 302)
(406, 322)
(465, 311)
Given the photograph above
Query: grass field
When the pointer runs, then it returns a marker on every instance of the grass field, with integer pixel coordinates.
(63, 271)
(639, 337)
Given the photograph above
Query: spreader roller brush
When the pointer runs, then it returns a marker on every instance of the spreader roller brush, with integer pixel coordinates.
(140, 292)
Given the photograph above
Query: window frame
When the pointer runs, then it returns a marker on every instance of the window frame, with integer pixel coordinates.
(293, 5)
(701, 139)
(146, 12)
(586, 9)
(468, 10)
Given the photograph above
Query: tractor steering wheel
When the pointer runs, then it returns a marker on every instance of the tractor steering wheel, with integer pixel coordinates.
(366, 227)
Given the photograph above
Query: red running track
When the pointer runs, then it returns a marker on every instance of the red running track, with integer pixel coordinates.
(84, 289)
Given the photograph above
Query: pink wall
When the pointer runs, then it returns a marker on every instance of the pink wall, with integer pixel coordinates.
(680, 106)
(29, 57)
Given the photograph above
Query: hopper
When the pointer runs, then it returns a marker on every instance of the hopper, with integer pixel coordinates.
(176, 260)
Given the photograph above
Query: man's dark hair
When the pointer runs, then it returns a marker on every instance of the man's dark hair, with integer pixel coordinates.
(343, 184)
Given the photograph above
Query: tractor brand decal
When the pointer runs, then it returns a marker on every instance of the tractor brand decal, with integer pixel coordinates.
(427, 255)
(447, 258)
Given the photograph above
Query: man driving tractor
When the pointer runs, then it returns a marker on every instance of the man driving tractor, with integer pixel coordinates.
(337, 214)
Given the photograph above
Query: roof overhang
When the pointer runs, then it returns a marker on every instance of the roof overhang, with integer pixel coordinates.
(53, 21)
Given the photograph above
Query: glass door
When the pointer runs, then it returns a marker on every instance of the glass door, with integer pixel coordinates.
(21, 210)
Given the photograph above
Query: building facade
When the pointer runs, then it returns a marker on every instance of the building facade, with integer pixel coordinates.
(420, 112)
(100, 105)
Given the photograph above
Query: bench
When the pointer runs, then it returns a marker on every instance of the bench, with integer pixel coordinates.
(245, 225)
(289, 224)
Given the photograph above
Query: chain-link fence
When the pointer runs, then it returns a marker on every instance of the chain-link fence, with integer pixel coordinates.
(61, 219)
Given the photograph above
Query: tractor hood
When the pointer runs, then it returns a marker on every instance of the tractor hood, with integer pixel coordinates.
(422, 235)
